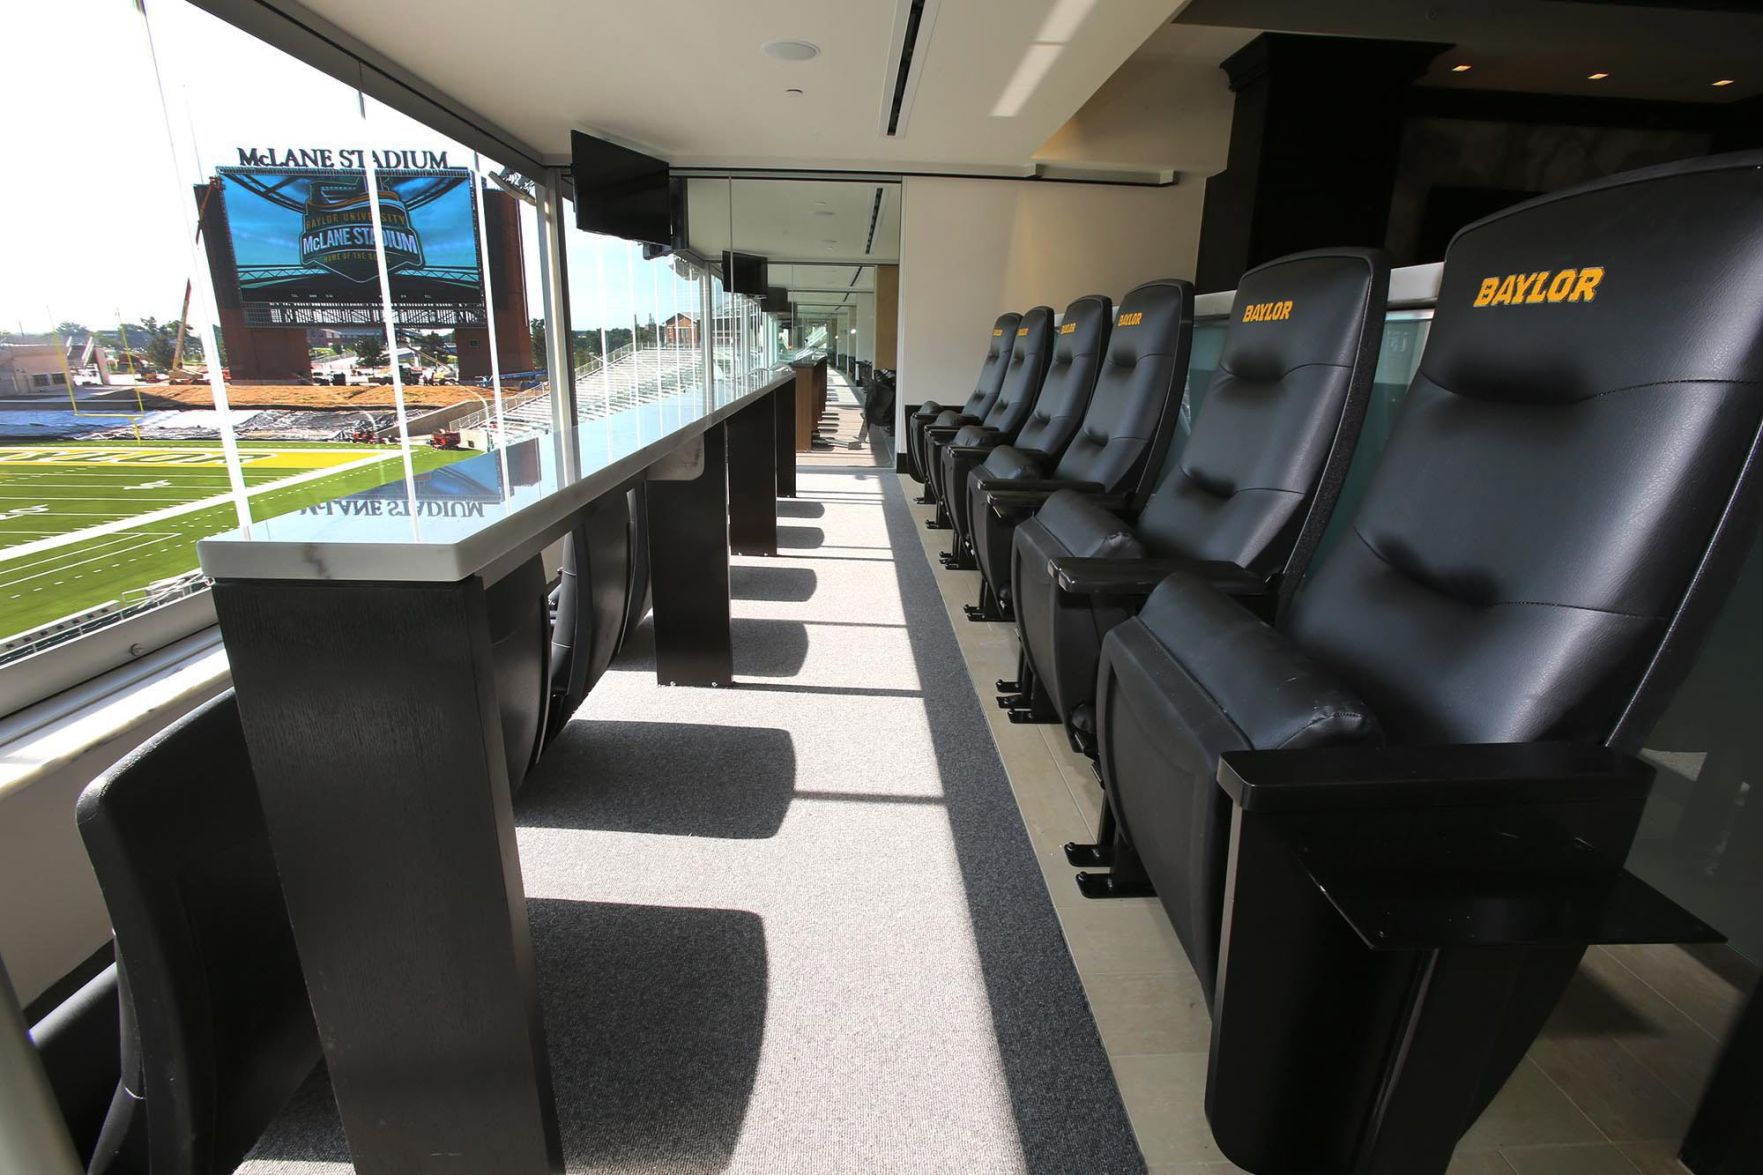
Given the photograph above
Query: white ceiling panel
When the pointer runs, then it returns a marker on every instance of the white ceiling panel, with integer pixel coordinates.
(688, 81)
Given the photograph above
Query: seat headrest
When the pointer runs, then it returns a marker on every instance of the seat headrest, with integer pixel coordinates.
(1299, 310)
(1150, 320)
(1003, 334)
(1573, 477)
(1086, 321)
(1034, 333)
(1643, 279)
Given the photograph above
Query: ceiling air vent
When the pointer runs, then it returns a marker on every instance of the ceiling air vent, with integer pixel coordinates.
(912, 24)
(874, 219)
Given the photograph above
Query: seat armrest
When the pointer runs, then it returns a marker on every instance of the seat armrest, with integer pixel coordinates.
(1459, 775)
(977, 452)
(1012, 499)
(942, 434)
(1463, 846)
(1140, 577)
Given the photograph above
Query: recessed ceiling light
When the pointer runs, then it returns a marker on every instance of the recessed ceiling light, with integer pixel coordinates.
(824, 212)
(793, 92)
(790, 50)
(1724, 82)
(1596, 77)
(1461, 68)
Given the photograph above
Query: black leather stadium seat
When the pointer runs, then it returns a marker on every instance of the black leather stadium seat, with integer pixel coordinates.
(216, 1030)
(1119, 446)
(1029, 358)
(520, 650)
(591, 605)
(979, 401)
(1050, 424)
(1565, 497)
(79, 1043)
(1252, 490)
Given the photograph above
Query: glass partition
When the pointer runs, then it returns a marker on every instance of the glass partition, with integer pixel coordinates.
(1203, 357)
(636, 323)
(1701, 837)
(1398, 358)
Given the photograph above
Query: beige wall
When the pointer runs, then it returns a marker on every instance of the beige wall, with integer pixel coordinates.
(51, 914)
(1167, 109)
(972, 249)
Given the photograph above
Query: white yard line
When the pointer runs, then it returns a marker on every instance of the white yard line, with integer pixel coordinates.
(170, 512)
(152, 539)
(52, 560)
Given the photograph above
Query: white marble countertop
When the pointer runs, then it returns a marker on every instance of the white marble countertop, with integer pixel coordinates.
(473, 515)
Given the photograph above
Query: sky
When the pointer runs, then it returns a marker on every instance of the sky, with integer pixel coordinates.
(96, 226)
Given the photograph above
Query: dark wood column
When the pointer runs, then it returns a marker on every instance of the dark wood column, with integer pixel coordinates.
(783, 409)
(1313, 149)
(752, 478)
(688, 567)
(372, 715)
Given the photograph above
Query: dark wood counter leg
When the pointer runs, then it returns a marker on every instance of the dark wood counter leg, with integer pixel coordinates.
(752, 480)
(783, 408)
(371, 715)
(688, 558)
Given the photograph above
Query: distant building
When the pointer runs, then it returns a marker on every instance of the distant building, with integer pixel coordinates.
(32, 369)
(680, 331)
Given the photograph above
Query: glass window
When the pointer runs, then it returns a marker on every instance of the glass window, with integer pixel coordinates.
(636, 324)
(111, 456)
(205, 343)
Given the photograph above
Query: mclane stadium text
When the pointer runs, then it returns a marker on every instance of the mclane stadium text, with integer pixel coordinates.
(343, 157)
(391, 508)
(357, 235)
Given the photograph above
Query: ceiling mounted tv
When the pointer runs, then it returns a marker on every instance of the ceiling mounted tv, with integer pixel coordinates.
(743, 273)
(624, 193)
(777, 299)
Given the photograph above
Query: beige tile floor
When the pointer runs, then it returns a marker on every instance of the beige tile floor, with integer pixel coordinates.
(1607, 1090)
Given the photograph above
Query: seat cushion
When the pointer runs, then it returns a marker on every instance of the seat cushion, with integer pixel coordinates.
(1061, 634)
(989, 535)
(1193, 676)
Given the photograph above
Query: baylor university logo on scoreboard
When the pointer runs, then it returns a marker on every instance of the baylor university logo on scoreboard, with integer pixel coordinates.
(337, 233)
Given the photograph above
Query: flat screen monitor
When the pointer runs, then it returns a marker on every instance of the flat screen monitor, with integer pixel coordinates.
(622, 193)
(777, 299)
(743, 273)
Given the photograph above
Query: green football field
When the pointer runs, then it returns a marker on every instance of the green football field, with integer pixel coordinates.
(138, 510)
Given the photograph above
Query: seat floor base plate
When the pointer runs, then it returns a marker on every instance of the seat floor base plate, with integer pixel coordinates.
(1106, 885)
(1089, 856)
